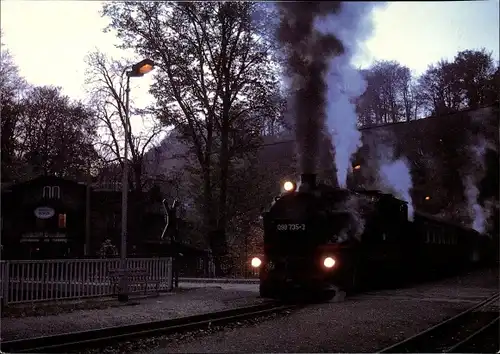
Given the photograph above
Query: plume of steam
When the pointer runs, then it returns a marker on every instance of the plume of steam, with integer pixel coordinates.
(391, 175)
(352, 25)
(307, 53)
(477, 213)
(395, 178)
(356, 225)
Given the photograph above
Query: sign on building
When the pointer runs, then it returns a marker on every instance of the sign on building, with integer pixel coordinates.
(44, 212)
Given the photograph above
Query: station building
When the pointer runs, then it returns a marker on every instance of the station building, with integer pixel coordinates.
(51, 218)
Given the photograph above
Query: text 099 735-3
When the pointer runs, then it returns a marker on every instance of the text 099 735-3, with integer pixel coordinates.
(291, 227)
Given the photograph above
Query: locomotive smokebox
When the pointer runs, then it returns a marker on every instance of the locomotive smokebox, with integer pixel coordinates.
(307, 181)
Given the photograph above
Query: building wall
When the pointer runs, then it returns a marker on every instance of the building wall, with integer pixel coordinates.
(26, 236)
(43, 218)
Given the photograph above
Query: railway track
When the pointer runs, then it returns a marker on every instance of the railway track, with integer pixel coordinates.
(458, 334)
(112, 335)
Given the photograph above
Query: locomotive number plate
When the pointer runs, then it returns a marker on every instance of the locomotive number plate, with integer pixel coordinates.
(291, 227)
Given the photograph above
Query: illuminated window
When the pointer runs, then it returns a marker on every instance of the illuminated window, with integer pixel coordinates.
(62, 221)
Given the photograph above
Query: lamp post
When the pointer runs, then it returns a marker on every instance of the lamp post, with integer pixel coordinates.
(137, 70)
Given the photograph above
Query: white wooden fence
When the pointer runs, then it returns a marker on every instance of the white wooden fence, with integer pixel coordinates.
(44, 280)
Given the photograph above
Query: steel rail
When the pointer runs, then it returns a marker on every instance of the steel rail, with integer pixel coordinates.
(111, 335)
(462, 344)
(457, 319)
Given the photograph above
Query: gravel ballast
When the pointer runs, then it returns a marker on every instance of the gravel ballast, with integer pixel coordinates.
(167, 306)
(366, 323)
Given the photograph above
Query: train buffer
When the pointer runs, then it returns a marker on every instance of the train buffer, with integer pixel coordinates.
(139, 280)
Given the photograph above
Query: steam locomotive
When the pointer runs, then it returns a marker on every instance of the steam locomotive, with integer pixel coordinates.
(323, 239)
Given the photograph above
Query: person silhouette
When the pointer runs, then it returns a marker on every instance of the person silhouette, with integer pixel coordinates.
(171, 229)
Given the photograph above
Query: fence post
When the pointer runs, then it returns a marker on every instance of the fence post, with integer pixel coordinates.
(170, 274)
(5, 284)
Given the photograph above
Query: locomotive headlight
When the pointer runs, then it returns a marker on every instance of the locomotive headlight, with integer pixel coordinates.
(329, 262)
(289, 186)
(256, 262)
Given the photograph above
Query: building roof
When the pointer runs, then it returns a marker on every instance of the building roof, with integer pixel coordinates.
(39, 181)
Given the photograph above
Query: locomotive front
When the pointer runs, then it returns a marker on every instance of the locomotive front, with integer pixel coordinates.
(302, 236)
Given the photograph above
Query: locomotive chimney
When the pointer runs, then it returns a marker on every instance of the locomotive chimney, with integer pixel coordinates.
(307, 181)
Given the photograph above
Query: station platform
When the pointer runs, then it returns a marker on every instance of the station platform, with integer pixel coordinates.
(18, 322)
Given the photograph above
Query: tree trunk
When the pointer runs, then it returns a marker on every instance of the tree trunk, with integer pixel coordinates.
(222, 203)
(210, 220)
(137, 184)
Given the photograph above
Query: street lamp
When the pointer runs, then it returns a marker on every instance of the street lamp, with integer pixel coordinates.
(137, 70)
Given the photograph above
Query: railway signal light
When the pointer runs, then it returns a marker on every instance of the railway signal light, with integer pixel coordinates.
(357, 167)
(427, 198)
(62, 221)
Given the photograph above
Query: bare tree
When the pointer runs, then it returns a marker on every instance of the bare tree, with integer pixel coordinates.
(12, 87)
(390, 96)
(215, 85)
(107, 80)
(440, 89)
(475, 69)
(56, 134)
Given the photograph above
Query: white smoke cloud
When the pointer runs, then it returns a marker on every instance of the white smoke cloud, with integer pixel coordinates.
(352, 25)
(392, 175)
(395, 178)
(356, 225)
(477, 213)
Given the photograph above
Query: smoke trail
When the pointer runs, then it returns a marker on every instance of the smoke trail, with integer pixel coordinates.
(389, 174)
(307, 55)
(352, 25)
(395, 178)
(477, 213)
(356, 225)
